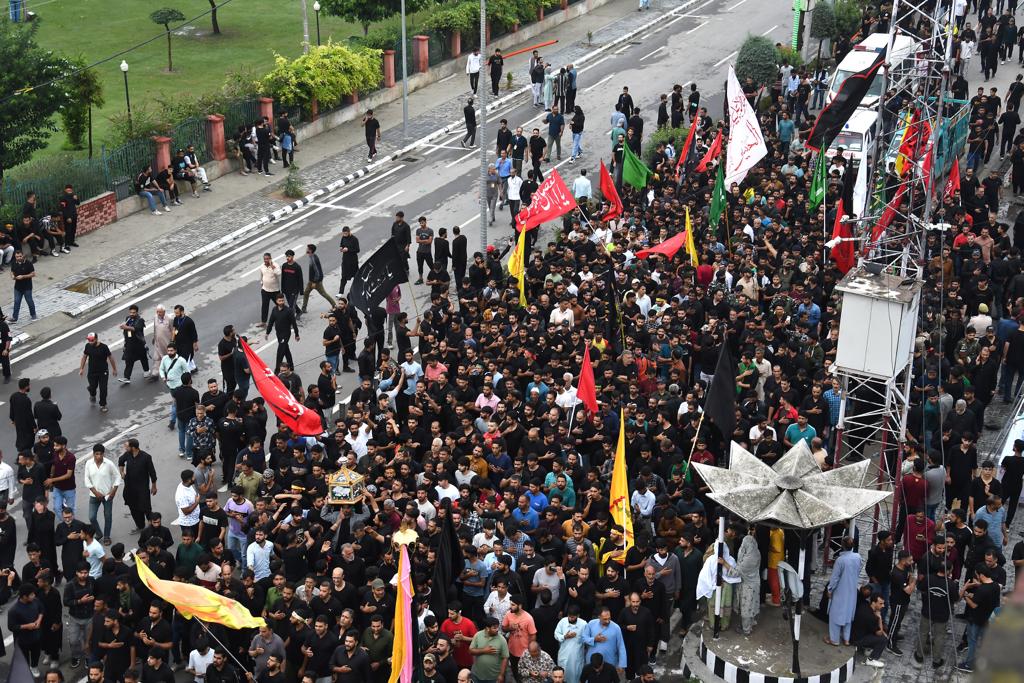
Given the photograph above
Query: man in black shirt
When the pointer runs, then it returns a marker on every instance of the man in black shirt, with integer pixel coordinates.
(938, 595)
(350, 663)
(185, 336)
(867, 631)
(469, 113)
(982, 597)
(495, 63)
(22, 272)
(226, 354)
(903, 580)
(96, 355)
(371, 127)
(221, 670)
(282, 321)
(1013, 476)
(537, 147)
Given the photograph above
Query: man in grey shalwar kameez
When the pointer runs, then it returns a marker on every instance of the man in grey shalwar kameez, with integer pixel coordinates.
(748, 565)
(843, 588)
(571, 649)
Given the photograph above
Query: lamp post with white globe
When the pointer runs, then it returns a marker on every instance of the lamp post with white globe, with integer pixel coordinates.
(316, 9)
(127, 99)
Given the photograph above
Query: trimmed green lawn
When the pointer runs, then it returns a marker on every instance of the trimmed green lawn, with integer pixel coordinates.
(251, 31)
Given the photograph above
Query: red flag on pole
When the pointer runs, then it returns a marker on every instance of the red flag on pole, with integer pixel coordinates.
(668, 248)
(551, 200)
(587, 390)
(610, 194)
(953, 181)
(843, 253)
(300, 419)
(713, 151)
(685, 151)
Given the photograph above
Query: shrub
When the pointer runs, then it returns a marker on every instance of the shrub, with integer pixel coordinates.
(823, 21)
(327, 73)
(788, 54)
(848, 17)
(451, 17)
(293, 188)
(663, 135)
(756, 60)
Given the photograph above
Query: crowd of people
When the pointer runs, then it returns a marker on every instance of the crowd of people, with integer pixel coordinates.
(467, 429)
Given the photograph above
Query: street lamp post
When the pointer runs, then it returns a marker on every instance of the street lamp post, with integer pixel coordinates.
(305, 28)
(481, 131)
(127, 99)
(316, 9)
(405, 81)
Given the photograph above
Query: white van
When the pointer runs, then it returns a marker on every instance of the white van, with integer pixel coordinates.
(861, 57)
(857, 137)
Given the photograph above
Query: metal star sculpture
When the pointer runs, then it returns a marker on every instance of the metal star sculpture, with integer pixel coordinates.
(795, 493)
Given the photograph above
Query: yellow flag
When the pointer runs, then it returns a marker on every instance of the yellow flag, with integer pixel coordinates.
(196, 601)
(517, 266)
(691, 249)
(619, 504)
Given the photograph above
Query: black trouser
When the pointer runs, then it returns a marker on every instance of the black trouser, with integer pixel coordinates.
(458, 266)
(31, 651)
(5, 362)
(70, 228)
(291, 298)
(495, 80)
(423, 257)
(513, 208)
(537, 175)
(263, 158)
(98, 380)
(288, 156)
(1006, 145)
(129, 363)
(470, 136)
(227, 461)
(348, 352)
(871, 642)
(371, 143)
(474, 81)
(346, 275)
(229, 378)
(283, 352)
(570, 100)
(1011, 500)
(897, 613)
(140, 508)
(266, 301)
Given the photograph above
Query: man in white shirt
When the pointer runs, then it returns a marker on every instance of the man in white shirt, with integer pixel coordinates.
(444, 488)
(92, 551)
(199, 659)
(643, 500)
(567, 396)
(513, 187)
(581, 187)
(102, 481)
(258, 554)
(8, 482)
(562, 314)
(270, 285)
(187, 501)
(473, 63)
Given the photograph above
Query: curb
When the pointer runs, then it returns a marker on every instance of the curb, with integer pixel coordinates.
(351, 177)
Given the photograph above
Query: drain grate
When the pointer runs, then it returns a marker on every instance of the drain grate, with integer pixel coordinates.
(410, 159)
(93, 286)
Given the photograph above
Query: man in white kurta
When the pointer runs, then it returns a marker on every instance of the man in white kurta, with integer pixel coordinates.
(571, 647)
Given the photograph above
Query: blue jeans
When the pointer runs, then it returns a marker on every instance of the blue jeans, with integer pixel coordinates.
(62, 499)
(236, 544)
(1006, 379)
(885, 589)
(184, 439)
(27, 296)
(333, 360)
(930, 510)
(577, 148)
(148, 196)
(975, 632)
(108, 514)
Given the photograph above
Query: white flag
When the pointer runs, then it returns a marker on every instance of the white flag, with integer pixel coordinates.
(746, 142)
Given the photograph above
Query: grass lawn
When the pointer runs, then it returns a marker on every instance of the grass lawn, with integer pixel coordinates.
(251, 31)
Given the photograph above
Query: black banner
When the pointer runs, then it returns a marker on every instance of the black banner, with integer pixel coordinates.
(720, 402)
(382, 272)
(837, 112)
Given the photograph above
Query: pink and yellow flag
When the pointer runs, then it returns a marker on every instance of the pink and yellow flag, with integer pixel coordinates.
(402, 649)
(196, 601)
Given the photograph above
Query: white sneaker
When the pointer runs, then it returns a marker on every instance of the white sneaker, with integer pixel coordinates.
(155, 212)
(65, 250)
(54, 252)
(167, 209)
(223, 489)
(124, 380)
(878, 664)
(273, 161)
(34, 671)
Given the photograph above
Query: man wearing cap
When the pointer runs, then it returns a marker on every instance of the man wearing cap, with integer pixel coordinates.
(96, 355)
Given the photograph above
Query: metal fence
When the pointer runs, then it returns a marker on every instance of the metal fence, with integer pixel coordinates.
(191, 132)
(124, 163)
(86, 175)
(240, 113)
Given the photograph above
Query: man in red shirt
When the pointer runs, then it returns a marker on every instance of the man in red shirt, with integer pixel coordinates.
(913, 493)
(460, 631)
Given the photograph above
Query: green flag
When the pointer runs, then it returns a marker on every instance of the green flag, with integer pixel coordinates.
(717, 200)
(818, 183)
(634, 171)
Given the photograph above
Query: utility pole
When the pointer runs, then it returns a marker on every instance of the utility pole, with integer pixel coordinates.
(482, 131)
(405, 81)
(305, 28)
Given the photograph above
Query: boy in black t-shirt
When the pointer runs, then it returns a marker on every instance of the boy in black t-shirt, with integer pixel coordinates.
(982, 597)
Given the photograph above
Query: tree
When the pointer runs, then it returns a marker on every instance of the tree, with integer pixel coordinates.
(84, 92)
(365, 12)
(213, 16)
(165, 17)
(756, 60)
(325, 74)
(849, 16)
(28, 101)
(823, 25)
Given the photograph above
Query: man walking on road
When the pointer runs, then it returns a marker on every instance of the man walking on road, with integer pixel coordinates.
(139, 476)
(495, 63)
(473, 64)
(459, 261)
(22, 272)
(291, 281)
(102, 480)
(96, 355)
(371, 127)
(21, 416)
(424, 247)
(270, 285)
(470, 114)
(556, 126)
(515, 184)
(316, 278)
(349, 249)
(186, 338)
(282, 321)
(134, 329)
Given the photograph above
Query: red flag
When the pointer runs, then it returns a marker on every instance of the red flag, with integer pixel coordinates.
(843, 253)
(713, 151)
(953, 181)
(300, 419)
(587, 390)
(610, 194)
(668, 248)
(551, 200)
(888, 214)
(685, 152)
(926, 169)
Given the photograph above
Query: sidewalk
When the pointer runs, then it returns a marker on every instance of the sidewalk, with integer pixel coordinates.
(141, 245)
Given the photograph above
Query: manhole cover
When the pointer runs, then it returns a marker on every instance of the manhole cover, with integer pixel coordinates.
(93, 286)
(410, 159)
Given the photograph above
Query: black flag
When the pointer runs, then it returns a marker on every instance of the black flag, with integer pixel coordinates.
(837, 112)
(720, 405)
(447, 565)
(380, 274)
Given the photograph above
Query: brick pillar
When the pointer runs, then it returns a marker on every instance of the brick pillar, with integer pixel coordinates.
(352, 99)
(565, 4)
(515, 29)
(162, 156)
(389, 68)
(215, 136)
(540, 13)
(455, 42)
(314, 109)
(420, 54)
(267, 107)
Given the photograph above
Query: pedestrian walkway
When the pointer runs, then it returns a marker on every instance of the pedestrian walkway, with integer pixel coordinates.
(142, 244)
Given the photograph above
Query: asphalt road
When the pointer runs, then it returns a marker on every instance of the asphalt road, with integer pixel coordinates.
(439, 181)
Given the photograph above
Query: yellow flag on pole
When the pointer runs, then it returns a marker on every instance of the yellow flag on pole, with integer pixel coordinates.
(691, 248)
(196, 601)
(517, 266)
(619, 504)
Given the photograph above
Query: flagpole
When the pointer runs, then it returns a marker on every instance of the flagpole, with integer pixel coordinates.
(720, 547)
(224, 647)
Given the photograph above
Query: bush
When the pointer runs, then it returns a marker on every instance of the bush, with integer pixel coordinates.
(848, 17)
(756, 60)
(451, 17)
(327, 73)
(663, 135)
(145, 122)
(823, 21)
(293, 188)
(788, 54)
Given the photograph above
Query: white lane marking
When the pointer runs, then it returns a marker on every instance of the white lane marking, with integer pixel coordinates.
(275, 259)
(623, 48)
(266, 347)
(108, 443)
(467, 155)
(446, 78)
(442, 145)
(770, 30)
(672, 21)
(697, 27)
(374, 206)
(737, 5)
(373, 180)
(652, 53)
(600, 82)
(595, 63)
(726, 58)
(339, 207)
